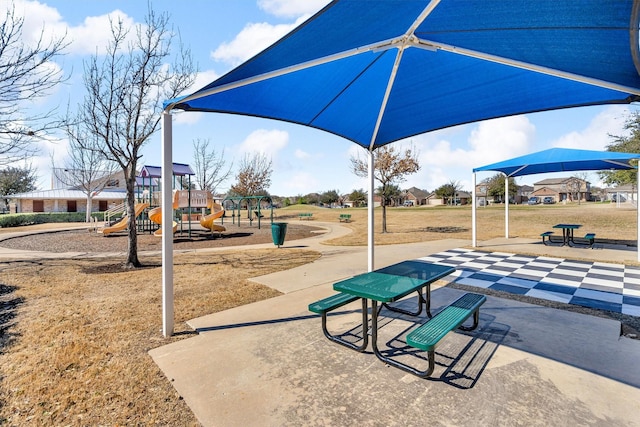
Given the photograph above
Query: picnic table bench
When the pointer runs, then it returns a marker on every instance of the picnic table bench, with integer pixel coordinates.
(305, 215)
(328, 304)
(547, 235)
(345, 217)
(589, 240)
(427, 336)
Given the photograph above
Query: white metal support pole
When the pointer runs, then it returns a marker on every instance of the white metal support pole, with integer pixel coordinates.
(167, 220)
(474, 202)
(638, 206)
(506, 206)
(370, 236)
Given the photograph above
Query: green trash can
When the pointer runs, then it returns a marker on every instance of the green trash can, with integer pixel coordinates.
(278, 231)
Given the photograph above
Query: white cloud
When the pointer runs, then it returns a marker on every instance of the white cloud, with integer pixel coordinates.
(448, 155)
(203, 78)
(302, 183)
(596, 135)
(253, 38)
(92, 36)
(186, 117)
(300, 154)
(267, 142)
(257, 36)
(500, 139)
(58, 148)
(291, 8)
(35, 15)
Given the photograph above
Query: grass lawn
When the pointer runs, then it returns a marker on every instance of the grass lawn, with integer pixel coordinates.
(74, 334)
(417, 224)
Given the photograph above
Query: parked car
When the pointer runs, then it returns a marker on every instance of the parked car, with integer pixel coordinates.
(408, 203)
(614, 198)
(533, 200)
(548, 200)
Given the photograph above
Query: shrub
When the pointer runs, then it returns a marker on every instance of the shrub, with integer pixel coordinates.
(17, 220)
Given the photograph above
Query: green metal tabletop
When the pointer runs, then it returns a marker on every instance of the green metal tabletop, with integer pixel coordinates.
(568, 226)
(419, 269)
(380, 286)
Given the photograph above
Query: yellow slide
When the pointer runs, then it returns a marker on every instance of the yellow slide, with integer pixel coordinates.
(155, 215)
(207, 221)
(124, 222)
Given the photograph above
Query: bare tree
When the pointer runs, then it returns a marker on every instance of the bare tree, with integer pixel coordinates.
(26, 74)
(390, 166)
(577, 184)
(210, 166)
(86, 167)
(254, 175)
(125, 91)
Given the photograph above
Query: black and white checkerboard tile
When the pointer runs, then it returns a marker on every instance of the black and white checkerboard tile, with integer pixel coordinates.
(612, 287)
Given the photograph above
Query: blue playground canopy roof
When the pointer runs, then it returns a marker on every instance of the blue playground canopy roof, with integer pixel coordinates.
(375, 72)
(562, 160)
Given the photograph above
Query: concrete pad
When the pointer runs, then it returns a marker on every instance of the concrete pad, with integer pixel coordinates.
(268, 364)
(340, 262)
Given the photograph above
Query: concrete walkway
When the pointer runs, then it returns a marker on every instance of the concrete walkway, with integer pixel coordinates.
(268, 363)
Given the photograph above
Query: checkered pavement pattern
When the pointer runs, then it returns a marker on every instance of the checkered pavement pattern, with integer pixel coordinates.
(612, 287)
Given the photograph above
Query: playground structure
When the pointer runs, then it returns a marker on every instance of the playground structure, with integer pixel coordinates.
(155, 215)
(192, 201)
(253, 207)
(189, 205)
(124, 222)
(217, 211)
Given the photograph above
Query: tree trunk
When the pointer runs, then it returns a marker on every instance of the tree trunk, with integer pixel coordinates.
(132, 249)
(384, 216)
(87, 217)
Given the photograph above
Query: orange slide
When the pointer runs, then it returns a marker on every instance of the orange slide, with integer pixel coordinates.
(124, 222)
(155, 215)
(216, 212)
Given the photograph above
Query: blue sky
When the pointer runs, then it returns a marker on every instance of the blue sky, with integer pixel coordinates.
(222, 34)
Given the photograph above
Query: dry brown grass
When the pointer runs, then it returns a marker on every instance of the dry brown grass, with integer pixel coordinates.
(75, 333)
(408, 225)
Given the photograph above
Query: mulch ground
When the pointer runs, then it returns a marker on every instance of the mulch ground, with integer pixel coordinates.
(91, 241)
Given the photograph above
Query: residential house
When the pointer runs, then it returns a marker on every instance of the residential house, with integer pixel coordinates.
(481, 194)
(434, 200)
(523, 194)
(561, 189)
(416, 196)
(482, 198)
(621, 193)
(460, 198)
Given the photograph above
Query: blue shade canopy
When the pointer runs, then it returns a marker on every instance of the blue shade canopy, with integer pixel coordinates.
(562, 160)
(376, 71)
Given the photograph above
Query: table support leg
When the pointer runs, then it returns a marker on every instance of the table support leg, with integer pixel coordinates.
(422, 299)
(374, 343)
(365, 331)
